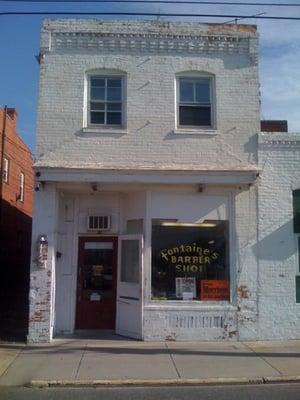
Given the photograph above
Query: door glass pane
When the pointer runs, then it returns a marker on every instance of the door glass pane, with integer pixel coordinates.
(98, 245)
(97, 271)
(130, 261)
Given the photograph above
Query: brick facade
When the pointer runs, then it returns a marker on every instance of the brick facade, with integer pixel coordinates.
(15, 227)
(149, 168)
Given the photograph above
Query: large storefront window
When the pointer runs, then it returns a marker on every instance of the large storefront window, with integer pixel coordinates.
(190, 261)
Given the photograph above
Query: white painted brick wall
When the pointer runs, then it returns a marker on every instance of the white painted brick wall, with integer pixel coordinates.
(279, 158)
(60, 140)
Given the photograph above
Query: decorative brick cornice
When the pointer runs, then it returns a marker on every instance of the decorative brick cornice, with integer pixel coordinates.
(280, 140)
(149, 42)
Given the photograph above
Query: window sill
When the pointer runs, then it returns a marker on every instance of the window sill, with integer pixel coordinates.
(190, 305)
(104, 130)
(195, 131)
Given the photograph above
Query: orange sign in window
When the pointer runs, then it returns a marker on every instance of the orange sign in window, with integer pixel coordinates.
(215, 290)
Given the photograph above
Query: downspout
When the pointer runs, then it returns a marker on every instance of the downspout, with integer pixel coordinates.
(2, 158)
(1, 176)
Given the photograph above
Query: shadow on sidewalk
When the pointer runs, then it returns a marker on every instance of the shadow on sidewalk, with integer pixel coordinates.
(63, 349)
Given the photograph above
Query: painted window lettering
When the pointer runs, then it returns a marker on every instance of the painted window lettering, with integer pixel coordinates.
(190, 262)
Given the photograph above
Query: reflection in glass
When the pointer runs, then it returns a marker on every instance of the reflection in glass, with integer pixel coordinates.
(130, 261)
(192, 253)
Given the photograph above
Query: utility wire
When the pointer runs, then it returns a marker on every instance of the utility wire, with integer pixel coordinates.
(231, 3)
(148, 14)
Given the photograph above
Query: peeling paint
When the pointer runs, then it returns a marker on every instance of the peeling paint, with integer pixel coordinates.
(243, 292)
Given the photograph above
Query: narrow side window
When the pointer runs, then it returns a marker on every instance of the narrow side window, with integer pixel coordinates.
(5, 170)
(21, 187)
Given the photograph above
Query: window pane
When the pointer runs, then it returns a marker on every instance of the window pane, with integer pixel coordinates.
(97, 106)
(114, 107)
(190, 262)
(297, 289)
(296, 207)
(194, 116)
(97, 272)
(97, 93)
(299, 254)
(98, 245)
(114, 94)
(97, 118)
(130, 261)
(97, 82)
(186, 90)
(203, 91)
(114, 83)
(114, 118)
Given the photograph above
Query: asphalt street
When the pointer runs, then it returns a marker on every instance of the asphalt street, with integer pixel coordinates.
(247, 392)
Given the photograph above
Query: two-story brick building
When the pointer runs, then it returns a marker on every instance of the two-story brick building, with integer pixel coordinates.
(16, 197)
(146, 209)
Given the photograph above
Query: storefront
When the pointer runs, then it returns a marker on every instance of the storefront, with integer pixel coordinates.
(148, 261)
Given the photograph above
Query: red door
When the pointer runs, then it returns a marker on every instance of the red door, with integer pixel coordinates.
(96, 284)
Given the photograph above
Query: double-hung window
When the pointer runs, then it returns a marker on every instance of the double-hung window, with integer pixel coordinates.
(105, 100)
(195, 102)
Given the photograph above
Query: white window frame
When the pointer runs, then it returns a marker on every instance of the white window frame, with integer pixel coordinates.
(106, 76)
(22, 186)
(5, 170)
(194, 76)
(297, 244)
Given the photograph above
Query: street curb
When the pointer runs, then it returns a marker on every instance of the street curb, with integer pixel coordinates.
(162, 382)
(282, 378)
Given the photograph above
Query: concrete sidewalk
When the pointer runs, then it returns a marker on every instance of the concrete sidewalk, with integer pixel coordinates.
(117, 359)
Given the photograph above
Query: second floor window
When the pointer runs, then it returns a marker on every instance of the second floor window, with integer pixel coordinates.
(105, 100)
(194, 102)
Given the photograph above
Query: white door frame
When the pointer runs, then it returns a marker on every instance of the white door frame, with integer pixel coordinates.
(129, 313)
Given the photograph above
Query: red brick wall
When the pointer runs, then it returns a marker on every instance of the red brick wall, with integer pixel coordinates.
(15, 230)
(273, 126)
(20, 160)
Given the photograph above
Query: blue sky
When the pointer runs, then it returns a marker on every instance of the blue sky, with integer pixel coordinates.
(279, 54)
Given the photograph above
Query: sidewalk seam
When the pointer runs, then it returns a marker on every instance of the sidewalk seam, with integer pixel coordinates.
(173, 361)
(10, 364)
(266, 361)
(79, 364)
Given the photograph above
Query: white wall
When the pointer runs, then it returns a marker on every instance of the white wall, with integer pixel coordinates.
(42, 277)
(279, 158)
(229, 53)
